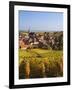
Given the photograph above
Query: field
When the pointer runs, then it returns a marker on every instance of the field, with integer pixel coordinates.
(40, 63)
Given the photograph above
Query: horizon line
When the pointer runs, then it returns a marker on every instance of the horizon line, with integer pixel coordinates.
(40, 31)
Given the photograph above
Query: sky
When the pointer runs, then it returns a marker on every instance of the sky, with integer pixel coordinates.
(40, 21)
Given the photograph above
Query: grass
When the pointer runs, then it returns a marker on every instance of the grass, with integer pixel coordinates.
(40, 63)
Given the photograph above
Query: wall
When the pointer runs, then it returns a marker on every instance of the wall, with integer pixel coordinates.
(4, 43)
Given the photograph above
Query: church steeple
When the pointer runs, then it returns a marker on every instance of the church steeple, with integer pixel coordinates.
(29, 30)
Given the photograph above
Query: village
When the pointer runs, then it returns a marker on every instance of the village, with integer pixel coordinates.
(43, 40)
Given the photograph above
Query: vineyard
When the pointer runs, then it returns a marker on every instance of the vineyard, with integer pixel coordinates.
(40, 63)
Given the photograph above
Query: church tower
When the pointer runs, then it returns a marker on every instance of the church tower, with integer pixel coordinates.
(29, 30)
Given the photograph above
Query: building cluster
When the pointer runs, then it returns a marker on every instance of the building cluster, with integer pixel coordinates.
(45, 40)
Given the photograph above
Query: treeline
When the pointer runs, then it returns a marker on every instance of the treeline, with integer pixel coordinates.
(54, 40)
